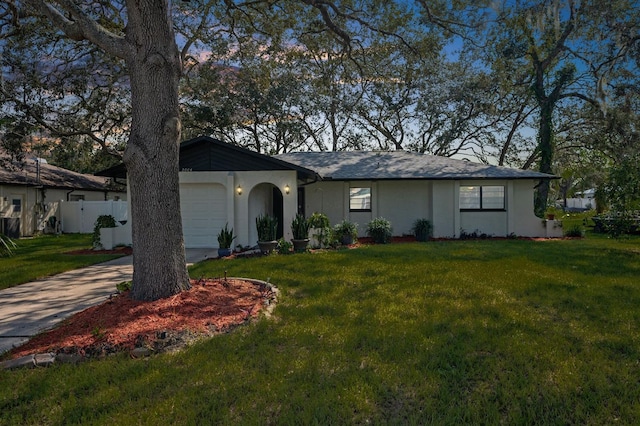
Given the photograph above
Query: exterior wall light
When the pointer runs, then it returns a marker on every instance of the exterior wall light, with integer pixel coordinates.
(287, 189)
(239, 190)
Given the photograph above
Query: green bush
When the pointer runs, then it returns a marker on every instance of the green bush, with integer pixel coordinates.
(345, 232)
(103, 221)
(379, 229)
(422, 229)
(123, 286)
(616, 224)
(320, 223)
(574, 231)
(284, 247)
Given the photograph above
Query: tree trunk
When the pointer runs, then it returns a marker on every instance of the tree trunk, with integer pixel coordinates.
(546, 148)
(151, 156)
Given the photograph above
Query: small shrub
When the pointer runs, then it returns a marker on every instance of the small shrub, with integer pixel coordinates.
(98, 333)
(619, 225)
(103, 221)
(284, 247)
(123, 286)
(574, 231)
(345, 232)
(320, 223)
(6, 246)
(554, 212)
(422, 229)
(475, 235)
(379, 229)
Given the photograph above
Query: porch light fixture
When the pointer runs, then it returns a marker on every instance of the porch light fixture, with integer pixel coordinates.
(239, 190)
(287, 189)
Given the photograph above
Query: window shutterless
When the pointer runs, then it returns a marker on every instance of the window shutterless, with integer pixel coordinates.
(360, 199)
(482, 197)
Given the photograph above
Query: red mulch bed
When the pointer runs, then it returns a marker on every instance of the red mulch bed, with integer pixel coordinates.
(398, 239)
(122, 324)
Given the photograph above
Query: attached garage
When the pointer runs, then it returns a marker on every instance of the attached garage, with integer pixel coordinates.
(204, 213)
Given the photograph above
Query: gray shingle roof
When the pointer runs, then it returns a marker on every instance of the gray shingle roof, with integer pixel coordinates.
(49, 176)
(363, 165)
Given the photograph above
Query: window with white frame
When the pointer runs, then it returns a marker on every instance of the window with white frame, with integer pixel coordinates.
(360, 199)
(482, 197)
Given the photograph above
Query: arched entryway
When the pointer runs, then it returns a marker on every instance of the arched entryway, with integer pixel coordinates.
(265, 198)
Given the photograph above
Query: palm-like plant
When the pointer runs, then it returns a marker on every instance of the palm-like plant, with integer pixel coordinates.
(6, 246)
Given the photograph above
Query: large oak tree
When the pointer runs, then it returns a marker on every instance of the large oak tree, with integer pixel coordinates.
(141, 34)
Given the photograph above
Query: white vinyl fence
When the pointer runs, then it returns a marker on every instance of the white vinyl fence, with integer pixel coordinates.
(80, 216)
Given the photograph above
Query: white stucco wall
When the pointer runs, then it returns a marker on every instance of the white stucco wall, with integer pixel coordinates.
(523, 222)
(444, 208)
(402, 202)
(517, 219)
(330, 198)
(255, 198)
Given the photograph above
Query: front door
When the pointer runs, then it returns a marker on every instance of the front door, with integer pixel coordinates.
(13, 223)
(301, 209)
(278, 211)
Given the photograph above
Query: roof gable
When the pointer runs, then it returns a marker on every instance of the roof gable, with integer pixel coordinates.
(363, 165)
(208, 154)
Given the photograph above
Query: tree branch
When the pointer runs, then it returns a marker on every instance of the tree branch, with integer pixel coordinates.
(323, 7)
(80, 26)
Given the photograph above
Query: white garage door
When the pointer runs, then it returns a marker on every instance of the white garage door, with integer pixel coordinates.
(204, 213)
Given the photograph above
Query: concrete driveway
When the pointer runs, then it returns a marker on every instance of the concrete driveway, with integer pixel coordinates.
(30, 308)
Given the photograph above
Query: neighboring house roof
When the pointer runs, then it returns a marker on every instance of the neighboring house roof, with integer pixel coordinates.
(391, 165)
(34, 172)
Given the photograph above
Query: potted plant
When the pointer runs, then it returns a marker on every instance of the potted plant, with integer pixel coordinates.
(267, 227)
(225, 238)
(320, 230)
(422, 229)
(345, 232)
(300, 231)
(379, 229)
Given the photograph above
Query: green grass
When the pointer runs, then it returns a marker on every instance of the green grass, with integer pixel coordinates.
(460, 332)
(43, 256)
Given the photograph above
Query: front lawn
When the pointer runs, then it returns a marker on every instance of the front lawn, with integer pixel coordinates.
(43, 256)
(455, 332)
